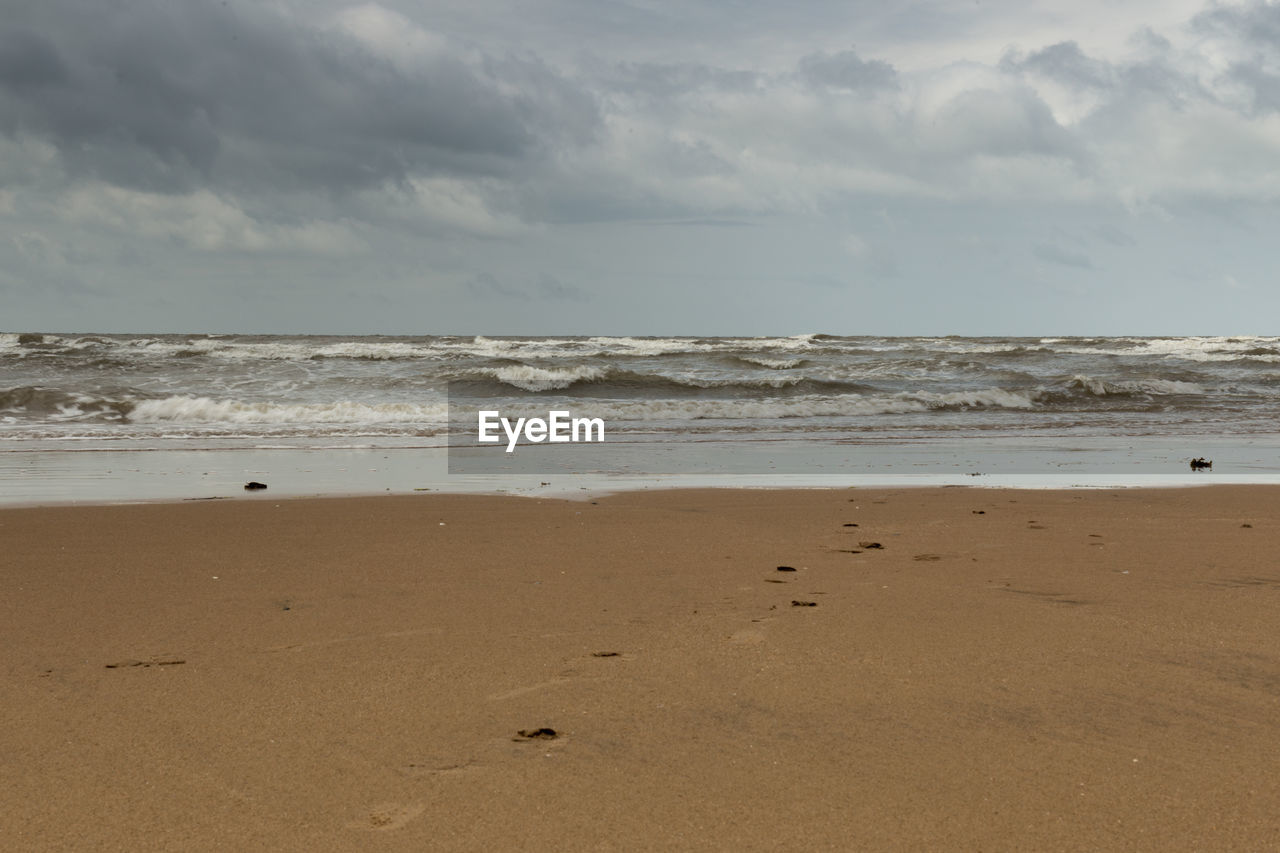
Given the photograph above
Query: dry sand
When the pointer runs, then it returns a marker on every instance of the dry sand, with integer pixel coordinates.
(1012, 670)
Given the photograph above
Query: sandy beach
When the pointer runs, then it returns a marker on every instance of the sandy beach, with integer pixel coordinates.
(942, 669)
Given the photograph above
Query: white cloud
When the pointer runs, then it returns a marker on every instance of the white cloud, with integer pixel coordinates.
(390, 34)
(460, 205)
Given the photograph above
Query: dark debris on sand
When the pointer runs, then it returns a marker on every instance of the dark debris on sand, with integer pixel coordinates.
(543, 733)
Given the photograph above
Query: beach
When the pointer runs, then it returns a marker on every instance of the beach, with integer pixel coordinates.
(944, 668)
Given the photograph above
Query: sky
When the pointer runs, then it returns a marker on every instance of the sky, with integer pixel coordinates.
(640, 167)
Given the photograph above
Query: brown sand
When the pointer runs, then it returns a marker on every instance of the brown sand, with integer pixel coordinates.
(1065, 670)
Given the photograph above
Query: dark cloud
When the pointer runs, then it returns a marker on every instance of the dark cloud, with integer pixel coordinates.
(1064, 62)
(29, 61)
(1263, 84)
(846, 70)
(1153, 78)
(1252, 34)
(166, 98)
(1256, 24)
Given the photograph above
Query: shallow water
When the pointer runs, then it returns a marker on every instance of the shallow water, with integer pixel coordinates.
(108, 476)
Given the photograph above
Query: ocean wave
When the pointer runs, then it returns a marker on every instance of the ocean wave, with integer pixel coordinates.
(227, 349)
(529, 378)
(55, 404)
(28, 341)
(624, 346)
(771, 363)
(294, 351)
(1203, 348)
(590, 380)
(650, 346)
(969, 346)
(983, 398)
(809, 406)
(812, 345)
(196, 410)
(1109, 388)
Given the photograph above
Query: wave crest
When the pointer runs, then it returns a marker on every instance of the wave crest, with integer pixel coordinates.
(203, 410)
(1098, 387)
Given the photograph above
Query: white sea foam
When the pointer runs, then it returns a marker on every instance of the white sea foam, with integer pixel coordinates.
(289, 351)
(997, 398)
(523, 348)
(966, 347)
(649, 346)
(185, 409)
(772, 363)
(808, 406)
(800, 407)
(284, 350)
(1190, 349)
(532, 378)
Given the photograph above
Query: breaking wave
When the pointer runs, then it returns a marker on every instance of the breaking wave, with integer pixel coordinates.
(849, 406)
(1111, 388)
(609, 380)
(771, 363)
(36, 402)
(202, 410)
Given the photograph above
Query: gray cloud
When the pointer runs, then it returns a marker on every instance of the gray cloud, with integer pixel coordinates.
(544, 288)
(1156, 76)
(1062, 257)
(486, 286)
(1113, 235)
(845, 70)
(1250, 32)
(1064, 62)
(235, 97)
(1257, 24)
(451, 157)
(661, 82)
(550, 287)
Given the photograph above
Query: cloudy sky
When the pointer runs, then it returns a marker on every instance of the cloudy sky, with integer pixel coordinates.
(640, 166)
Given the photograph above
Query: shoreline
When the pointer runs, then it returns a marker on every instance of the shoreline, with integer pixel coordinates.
(107, 476)
(606, 489)
(1009, 669)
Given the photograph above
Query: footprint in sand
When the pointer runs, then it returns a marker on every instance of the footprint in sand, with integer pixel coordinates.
(430, 768)
(530, 688)
(385, 817)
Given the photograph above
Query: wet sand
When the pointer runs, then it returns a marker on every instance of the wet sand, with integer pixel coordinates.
(1009, 670)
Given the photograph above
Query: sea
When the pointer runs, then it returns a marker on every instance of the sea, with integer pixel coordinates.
(115, 417)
